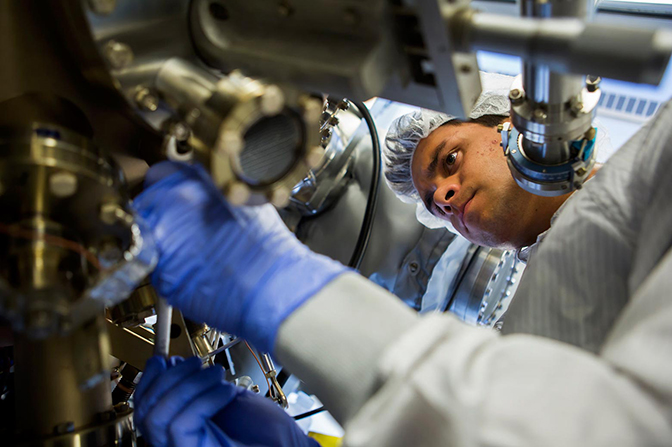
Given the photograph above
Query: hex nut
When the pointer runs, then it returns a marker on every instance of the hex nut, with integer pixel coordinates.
(118, 54)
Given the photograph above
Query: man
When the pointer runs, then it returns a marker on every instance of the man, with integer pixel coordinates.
(458, 171)
(599, 281)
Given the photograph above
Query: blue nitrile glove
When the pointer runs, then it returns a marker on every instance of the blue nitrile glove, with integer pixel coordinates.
(238, 269)
(183, 405)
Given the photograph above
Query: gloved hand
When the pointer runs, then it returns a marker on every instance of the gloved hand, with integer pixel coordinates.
(238, 269)
(182, 405)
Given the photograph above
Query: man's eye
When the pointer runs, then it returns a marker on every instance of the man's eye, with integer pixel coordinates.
(451, 159)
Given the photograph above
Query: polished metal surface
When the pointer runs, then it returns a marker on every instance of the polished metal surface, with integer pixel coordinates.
(113, 428)
(61, 379)
(486, 286)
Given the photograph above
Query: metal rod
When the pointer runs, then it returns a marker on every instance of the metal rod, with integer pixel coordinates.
(164, 318)
(569, 45)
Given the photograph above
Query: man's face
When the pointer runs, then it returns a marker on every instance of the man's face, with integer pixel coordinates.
(461, 174)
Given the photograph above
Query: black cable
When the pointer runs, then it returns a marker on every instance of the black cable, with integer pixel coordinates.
(298, 417)
(369, 213)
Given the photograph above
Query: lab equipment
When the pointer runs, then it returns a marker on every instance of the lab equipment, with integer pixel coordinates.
(210, 257)
(181, 404)
(236, 86)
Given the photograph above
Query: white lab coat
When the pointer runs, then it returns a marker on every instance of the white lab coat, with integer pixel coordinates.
(601, 280)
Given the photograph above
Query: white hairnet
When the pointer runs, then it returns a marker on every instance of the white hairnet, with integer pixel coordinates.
(406, 132)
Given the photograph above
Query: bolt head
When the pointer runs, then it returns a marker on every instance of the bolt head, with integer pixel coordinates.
(593, 83)
(238, 193)
(63, 184)
(540, 115)
(146, 100)
(118, 54)
(280, 197)
(272, 101)
(516, 96)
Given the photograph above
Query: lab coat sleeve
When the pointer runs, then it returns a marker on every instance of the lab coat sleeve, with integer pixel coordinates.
(396, 379)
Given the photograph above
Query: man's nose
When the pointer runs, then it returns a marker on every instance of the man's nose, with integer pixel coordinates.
(444, 194)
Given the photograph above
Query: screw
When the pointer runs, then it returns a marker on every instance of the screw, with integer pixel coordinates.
(540, 115)
(146, 100)
(255, 389)
(500, 128)
(413, 267)
(280, 197)
(465, 69)
(516, 96)
(118, 54)
(238, 193)
(102, 7)
(592, 83)
(64, 427)
(581, 171)
(231, 142)
(63, 184)
(272, 101)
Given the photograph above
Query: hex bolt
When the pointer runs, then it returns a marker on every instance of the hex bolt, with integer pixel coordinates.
(102, 7)
(231, 142)
(516, 96)
(238, 193)
(146, 100)
(118, 54)
(593, 83)
(413, 267)
(63, 184)
(280, 197)
(540, 115)
(272, 101)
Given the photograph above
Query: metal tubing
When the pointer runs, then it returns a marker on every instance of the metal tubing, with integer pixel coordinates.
(164, 316)
(569, 45)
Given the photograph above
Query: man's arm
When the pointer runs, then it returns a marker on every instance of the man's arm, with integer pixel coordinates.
(395, 379)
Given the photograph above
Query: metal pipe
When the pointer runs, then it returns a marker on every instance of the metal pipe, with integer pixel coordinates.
(164, 317)
(569, 45)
